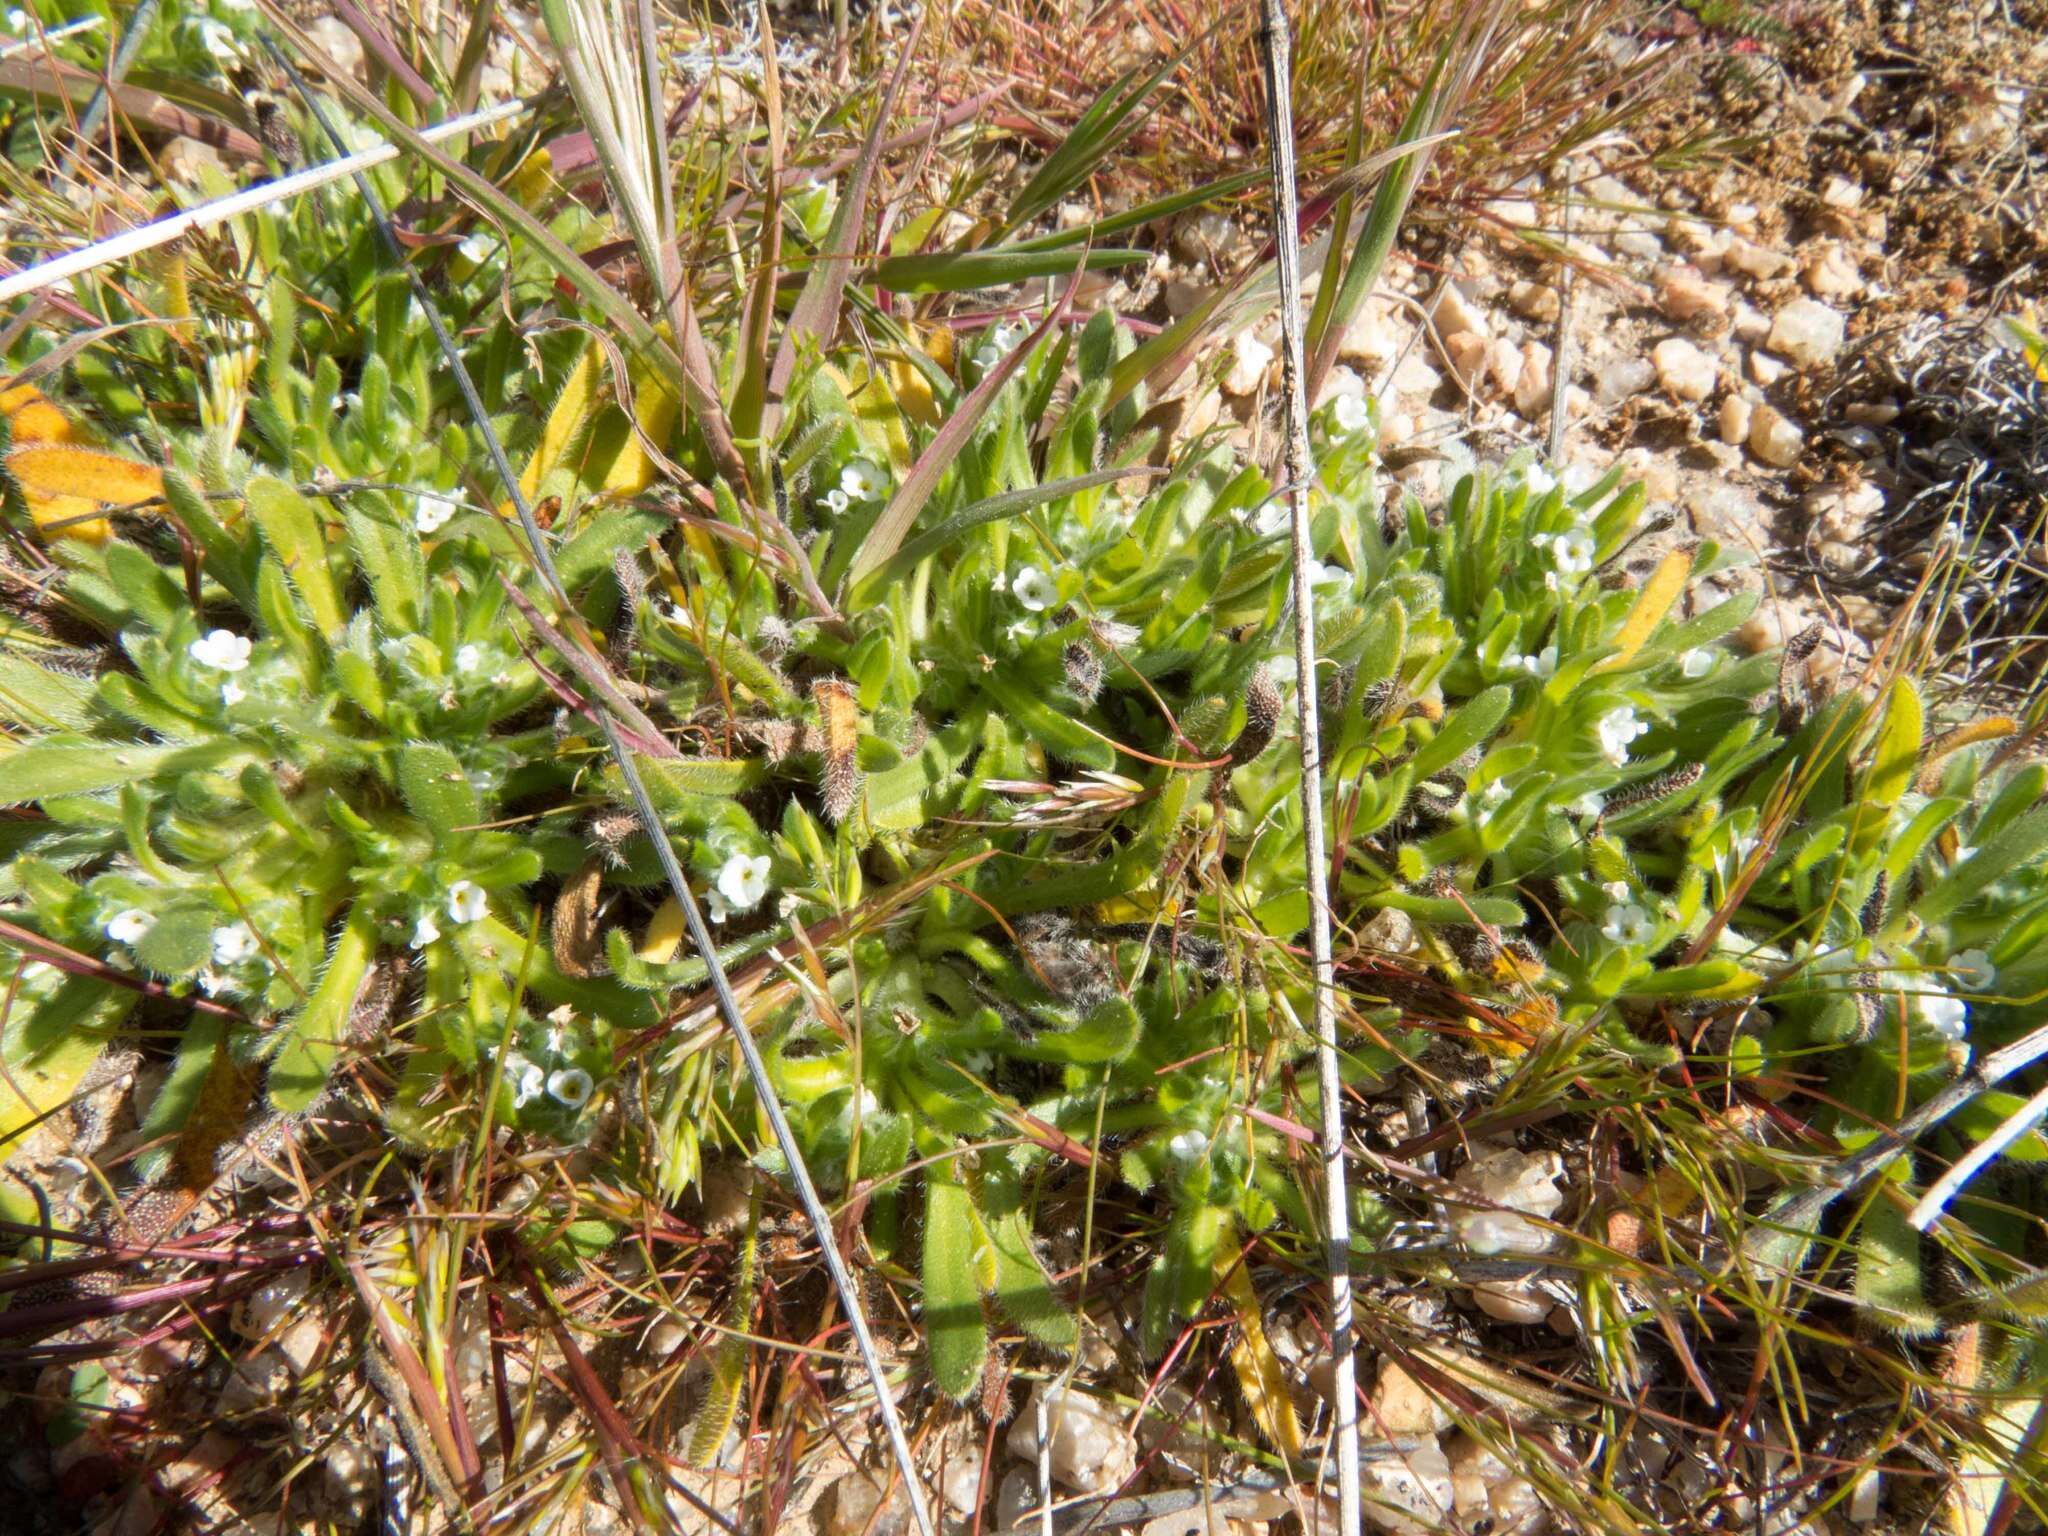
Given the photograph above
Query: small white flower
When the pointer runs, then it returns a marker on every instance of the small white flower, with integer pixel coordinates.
(223, 650)
(1618, 727)
(1540, 481)
(556, 1037)
(17, 20)
(1945, 1013)
(1495, 792)
(528, 1081)
(231, 692)
(1591, 803)
(468, 658)
(1005, 337)
(129, 925)
(425, 931)
(1627, 923)
(1272, 517)
(743, 880)
(1572, 552)
(715, 908)
(1187, 1146)
(1350, 415)
(467, 902)
(1321, 575)
(214, 984)
(233, 944)
(1018, 632)
(1971, 971)
(1696, 663)
(477, 248)
(837, 501)
(1034, 589)
(986, 357)
(1000, 582)
(1617, 890)
(430, 514)
(570, 1086)
(216, 37)
(861, 481)
(1542, 665)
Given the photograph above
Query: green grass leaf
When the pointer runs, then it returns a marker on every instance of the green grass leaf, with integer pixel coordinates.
(956, 1332)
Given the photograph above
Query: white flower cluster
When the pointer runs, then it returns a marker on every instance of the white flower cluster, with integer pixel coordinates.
(1617, 728)
(222, 650)
(859, 482)
(466, 903)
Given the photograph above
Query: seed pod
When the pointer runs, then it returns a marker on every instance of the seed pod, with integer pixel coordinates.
(610, 831)
(1084, 671)
(839, 726)
(1262, 705)
(573, 934)
(1663, 786)
(1871, 918)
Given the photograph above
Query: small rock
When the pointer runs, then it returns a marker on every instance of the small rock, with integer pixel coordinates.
(254, 1384)
(1074, 215)
(1766, 369)
(1830, 272)
(1182, 296)
(961, 1487)
(1751, 325)
(1639, 243)
(858, 1507)
(1735, 414)
(272, 1302)
(1772, 624)
(1683, 294)
(349, 1477)
(1490, 1495)
(1535, 301)
(1414, 377)
(1249, 360)
(1467, 354)
(1197, 1520)
(1455, 313)
(1840, 192)
(1371, 340)
(302, 1344)
(1657, 472)
(1090, 1448)
(1401, 1405)
(1622, 378)
(1408, 1494)
(1683, 369)
(1753, 260)
(1513, 1185)
(1532, 386)
(1016, 1499)
(1512, 1301)
(1807, 333)
(1504, 365)
(1843, 512)
(1773, 439)
(1516, 212)
(1871, 413)
(1864, 1496)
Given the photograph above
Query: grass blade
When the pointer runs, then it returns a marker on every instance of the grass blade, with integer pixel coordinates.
(961, 271)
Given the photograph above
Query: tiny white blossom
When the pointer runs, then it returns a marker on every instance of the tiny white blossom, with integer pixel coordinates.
(1539, 480)
(557, 1037)
(1591, 803)
(425, 931)
(1945, 1013)
(743, 880)
(986, 357)
(17, 20)
(1495, 792)
(861, 481)
(1018, 632)
(129, 925)
(570, 1086)
(468, 658)
(216, 37)
(1572, 552)
(1696, 663)
(1542, 665)
(222, 649)
(1627, 923)
(528, 1081)
(1187, 1146)
(1350, 415)
(1972, 971)
(1272, 517)
(430, 514)
(1321, 575)
(1034, 589)
(233, 944)
(1617, 890)
(467, 902)
(1000, 582)
(477, 248)
(837, 501)
(1618, 727)
(715, 907)
(231, 692)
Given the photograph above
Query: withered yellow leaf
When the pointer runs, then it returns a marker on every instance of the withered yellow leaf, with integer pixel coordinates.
(1260, 1376)
(63, 483)
(664, 934)
(1652, 603)
(32, 419)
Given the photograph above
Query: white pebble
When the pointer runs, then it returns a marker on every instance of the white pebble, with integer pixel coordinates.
(1735, 414)
(1090, 1448)
(1807, 333)
(1773, 439)
(1513, 1185)
(1683, 369)
(1684, 294)
(1408, 1494)
(1249, 360)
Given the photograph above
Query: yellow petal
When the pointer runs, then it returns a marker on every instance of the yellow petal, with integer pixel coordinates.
(32, 419)
(68, 517)
(63, 469)
(664, 934)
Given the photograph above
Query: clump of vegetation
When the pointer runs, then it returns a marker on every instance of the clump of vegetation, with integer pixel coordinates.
(963, 694)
